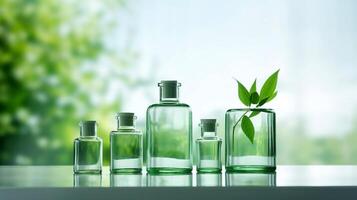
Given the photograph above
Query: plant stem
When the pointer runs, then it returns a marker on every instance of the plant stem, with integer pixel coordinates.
(235, 125)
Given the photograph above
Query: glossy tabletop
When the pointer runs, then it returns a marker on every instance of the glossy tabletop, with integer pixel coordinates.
(62, 176)
(288, 182)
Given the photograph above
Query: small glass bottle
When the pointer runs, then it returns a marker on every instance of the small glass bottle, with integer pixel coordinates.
(169, 132)
(209, 148)
(88, 149)
(126, 146)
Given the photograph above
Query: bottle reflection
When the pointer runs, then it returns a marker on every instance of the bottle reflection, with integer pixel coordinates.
(209, 180)
(251, 179)
(126, 180)
(87, 180)
(170, 180)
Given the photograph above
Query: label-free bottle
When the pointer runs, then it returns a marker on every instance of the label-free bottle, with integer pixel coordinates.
(169, 132)
(88, 149)
(126, 146)
(209, 148)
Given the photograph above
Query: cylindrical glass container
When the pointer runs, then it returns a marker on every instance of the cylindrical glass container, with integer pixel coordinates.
(256, 154)
(88, 149)
(126, 146)
(169, 132)
(208, 148)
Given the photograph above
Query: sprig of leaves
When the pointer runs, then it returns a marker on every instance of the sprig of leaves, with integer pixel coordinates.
(252, 97)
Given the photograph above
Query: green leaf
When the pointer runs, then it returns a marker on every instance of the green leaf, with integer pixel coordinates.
(254, 98)
(272, 97)
(254, 113)
(262, 102)
(243, 94)
(253, 88)
(248, 128)
(269, 86)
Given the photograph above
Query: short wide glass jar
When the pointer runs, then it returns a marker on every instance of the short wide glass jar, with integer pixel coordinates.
(250, 155)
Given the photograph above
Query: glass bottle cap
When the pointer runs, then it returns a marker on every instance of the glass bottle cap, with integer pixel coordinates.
(126, 118)
(208, 125)
(169, 89)
(88, 128)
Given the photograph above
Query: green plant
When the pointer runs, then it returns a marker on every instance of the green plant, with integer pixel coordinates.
(252, 97)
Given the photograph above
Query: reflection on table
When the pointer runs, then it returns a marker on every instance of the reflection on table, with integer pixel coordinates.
(170, 180)
(62, 176)
(87, 180)
(251, 179)
(209, 180)
(126, 180)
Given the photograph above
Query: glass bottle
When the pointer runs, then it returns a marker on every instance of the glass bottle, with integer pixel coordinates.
(169, 132)
(88, 149)
(243, 155)
(126, 146)
(209, 148)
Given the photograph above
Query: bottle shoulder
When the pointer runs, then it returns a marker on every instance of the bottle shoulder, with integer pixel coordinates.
(169, 105)
(126, 132)
(209, 139)
(88, 139)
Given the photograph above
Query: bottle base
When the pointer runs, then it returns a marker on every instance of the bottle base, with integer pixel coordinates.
(126, 171)
(208, 170)
(169, 170)
(250, 169)
(87, 172)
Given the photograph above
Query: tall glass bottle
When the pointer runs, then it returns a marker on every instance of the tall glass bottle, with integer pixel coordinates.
(169, 132)
(88, 149)
(126, 146)
(209, 148)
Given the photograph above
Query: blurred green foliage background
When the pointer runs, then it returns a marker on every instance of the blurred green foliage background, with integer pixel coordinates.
(50, 76)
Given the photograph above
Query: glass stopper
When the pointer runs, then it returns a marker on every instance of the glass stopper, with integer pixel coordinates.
(126, 119)
(88, 128)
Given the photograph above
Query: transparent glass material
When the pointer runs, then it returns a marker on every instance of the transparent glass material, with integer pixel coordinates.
(208, 148)
(241, 154)
(88, 150)
(209, 180)
(164, 180)
(87, 180)
(251, 179)
(126, 149)
(126, 180)
(169, 134)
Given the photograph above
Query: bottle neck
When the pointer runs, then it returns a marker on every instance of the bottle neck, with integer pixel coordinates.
(208, 134)
(126, 126)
